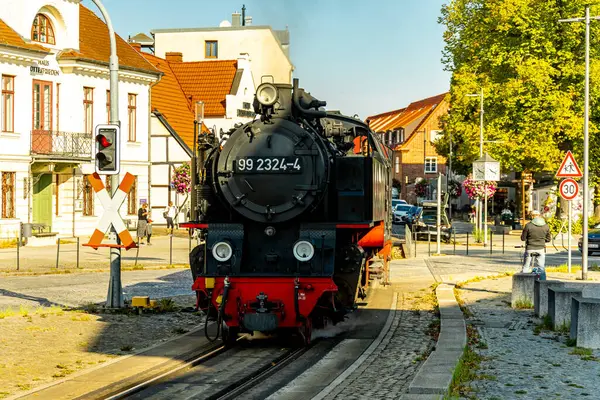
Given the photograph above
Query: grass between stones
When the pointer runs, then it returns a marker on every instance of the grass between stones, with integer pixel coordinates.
(523, 304)
(467, 367)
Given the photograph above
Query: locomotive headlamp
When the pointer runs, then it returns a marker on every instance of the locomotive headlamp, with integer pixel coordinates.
(222, 251)
(303, 250)
(267, 94)
(269, 231)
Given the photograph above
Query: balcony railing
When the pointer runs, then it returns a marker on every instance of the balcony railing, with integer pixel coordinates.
(61, 144)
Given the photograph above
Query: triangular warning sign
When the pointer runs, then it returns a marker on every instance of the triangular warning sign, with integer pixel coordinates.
(569, 168)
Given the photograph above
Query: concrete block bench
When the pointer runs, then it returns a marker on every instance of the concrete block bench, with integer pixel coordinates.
(522, 289)
(585, 324)
(540, 301)
(559, 305)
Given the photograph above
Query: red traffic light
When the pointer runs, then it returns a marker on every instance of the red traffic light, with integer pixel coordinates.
(103, 140)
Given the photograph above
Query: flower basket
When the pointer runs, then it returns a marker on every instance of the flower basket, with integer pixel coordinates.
(182, 179)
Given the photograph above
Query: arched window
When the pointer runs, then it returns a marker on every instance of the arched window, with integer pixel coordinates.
(41, 30)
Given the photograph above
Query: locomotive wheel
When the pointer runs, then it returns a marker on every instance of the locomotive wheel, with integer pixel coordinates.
(229, 335)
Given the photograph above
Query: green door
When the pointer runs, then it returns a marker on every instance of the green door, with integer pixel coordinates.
(42, 200)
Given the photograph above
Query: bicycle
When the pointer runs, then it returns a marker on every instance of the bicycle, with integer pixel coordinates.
(534, 254)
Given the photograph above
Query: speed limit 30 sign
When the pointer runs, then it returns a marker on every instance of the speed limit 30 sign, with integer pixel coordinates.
(569, 189)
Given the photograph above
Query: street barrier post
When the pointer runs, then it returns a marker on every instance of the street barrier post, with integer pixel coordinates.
(19, 245)
(171, 250)
(454, 234)
(429, 241)
(467, 243)
(491, 241)
(57, 251)
(503, 233)
(77, 251)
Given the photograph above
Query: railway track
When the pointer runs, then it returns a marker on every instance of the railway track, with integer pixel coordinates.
(219, 373)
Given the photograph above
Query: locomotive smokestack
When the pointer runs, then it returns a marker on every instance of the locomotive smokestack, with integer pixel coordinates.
(243, 15)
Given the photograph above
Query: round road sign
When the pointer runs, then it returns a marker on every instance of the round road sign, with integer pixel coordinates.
(568, 188)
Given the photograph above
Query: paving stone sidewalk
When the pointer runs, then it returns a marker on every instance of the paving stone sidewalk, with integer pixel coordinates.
(518, 363)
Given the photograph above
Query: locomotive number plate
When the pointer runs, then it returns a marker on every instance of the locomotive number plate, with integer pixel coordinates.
(268, 165)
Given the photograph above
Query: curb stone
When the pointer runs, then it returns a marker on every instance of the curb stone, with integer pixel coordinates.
(435, 374)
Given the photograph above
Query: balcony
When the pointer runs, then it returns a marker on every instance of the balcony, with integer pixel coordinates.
(56, 144)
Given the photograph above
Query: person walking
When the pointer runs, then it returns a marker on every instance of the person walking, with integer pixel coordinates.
(535, 235)
(142, 224)
(170, 213)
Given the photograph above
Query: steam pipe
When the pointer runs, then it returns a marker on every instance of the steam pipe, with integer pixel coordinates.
(296, 100)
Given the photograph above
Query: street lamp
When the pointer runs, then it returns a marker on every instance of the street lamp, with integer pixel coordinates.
(586, 142)
(478, 203)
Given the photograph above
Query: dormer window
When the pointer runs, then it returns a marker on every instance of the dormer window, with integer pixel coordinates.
(41, 30)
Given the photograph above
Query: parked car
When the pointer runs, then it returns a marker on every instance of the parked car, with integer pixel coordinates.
(593, 240)
(396, 202)
(412, 216)
(401, 211)
(427, 223)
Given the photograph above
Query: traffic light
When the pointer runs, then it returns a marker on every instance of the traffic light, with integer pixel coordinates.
(106, 148)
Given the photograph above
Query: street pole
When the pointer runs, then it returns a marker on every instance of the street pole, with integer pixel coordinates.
(448, 179)
(115, 290)
(586, 143)
(485, 198)
(570, 230)
(439, 213)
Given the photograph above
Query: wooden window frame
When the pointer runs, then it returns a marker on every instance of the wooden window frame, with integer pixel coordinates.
(132, 198)
(430, 161)
(36, 27)
(88, 198)
(397, 164)
(6, 176)
(132, 109)
(87, 103)
(42, 105)
(208, 49)
(5, 112)
(57, 107)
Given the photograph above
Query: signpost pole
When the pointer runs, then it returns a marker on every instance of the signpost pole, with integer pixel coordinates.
(570, 228)
(115, 290)
(439, 213)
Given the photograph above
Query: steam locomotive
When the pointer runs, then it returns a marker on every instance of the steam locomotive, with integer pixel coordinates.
(294, 214)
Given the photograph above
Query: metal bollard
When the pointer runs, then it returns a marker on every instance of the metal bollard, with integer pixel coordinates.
(415, 242)
(137, 252)
(503, 233)
(429, 241)
(19, 248)
(467, 243)
(77, 251)
(57, 251)
(454, 234)
(491, 241)
(171, 250)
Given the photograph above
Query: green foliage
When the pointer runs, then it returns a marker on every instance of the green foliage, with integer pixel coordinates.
(531, 69)
(576, 226)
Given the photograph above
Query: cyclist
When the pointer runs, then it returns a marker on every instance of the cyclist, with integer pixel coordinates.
(535, 235)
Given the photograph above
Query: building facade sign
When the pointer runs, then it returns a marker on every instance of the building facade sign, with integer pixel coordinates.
(40, 68)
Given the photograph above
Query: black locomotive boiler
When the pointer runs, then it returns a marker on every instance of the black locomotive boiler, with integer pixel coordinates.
(292, 208)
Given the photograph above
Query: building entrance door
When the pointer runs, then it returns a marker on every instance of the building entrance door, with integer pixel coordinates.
(41, 130)
(42, 200)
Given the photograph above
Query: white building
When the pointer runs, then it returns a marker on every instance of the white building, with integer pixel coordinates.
(225, 88)
(55, 89)
(268, 49)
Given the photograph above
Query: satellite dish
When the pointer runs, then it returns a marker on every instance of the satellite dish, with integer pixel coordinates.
(225, 24)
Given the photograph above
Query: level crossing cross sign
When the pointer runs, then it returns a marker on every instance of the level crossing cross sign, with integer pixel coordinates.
(569, 168)
(111, 214)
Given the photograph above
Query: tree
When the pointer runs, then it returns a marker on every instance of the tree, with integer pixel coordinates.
(532, 72)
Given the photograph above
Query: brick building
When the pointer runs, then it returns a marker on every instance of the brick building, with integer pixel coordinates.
(411, 132)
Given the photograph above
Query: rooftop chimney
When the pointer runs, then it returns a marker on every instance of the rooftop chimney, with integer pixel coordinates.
(136, 46)
(236, 19)
(174, 57)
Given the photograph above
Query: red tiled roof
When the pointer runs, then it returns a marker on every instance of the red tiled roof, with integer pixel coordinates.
(94, 44)
(9, 37)
(207, 81)
(169, 99)
(409, 118)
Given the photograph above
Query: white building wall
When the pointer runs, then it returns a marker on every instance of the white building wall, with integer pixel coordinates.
(266, 54)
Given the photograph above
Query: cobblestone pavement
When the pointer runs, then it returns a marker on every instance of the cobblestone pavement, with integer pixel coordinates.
(81, 288)
(517, 363)
(390, 368)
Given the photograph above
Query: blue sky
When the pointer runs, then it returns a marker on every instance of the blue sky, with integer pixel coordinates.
(361, 56)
